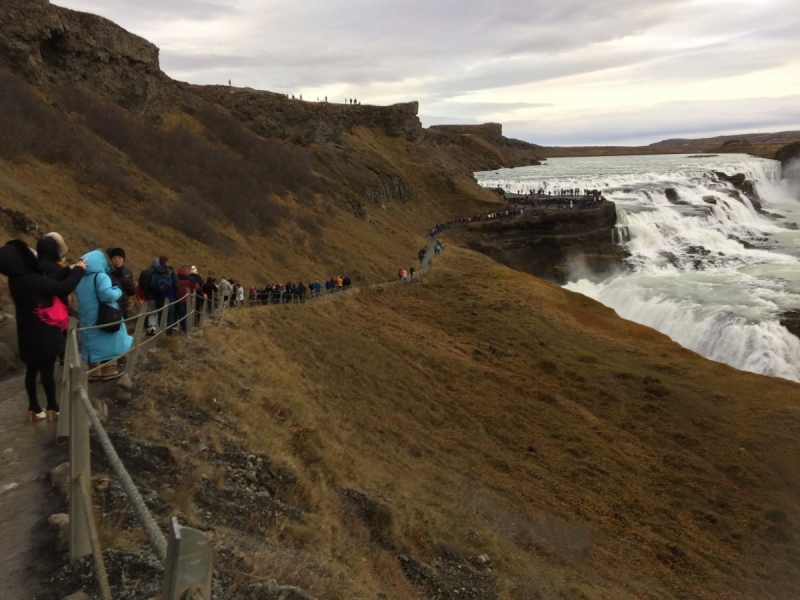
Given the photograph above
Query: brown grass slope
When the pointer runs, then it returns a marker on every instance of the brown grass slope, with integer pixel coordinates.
(199, 186)
(485, 411)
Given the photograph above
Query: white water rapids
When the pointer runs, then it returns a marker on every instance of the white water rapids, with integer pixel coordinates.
(707, 269)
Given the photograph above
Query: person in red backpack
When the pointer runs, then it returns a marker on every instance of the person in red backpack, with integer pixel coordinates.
(185, 288)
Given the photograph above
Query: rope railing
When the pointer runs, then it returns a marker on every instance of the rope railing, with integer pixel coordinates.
(151, 530)
(186, 553)
(187, 563)
(97, 550)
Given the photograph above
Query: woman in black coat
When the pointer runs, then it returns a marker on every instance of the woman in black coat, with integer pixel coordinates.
(41, 318)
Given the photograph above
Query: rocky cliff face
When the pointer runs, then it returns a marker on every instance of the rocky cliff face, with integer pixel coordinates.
(50, 45)
(557, 245)
(482, 147)
(789, 155)
(274, 115)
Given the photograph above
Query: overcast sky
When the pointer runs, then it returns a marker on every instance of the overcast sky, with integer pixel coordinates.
(552, 71)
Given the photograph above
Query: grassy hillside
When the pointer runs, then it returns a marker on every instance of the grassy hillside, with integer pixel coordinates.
(478, 433)
(199, 186)
(479, 411)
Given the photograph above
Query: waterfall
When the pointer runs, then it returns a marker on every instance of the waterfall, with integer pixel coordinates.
(709, 265)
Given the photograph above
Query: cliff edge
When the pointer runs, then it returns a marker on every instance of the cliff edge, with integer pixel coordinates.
(556, 245)
(483, 147)
(50, 45)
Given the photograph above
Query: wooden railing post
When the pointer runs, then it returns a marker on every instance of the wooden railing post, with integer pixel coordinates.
(130, 367)
(79, 465)
(71, 356)
(190, 303)
(223, 306)
(162, 326)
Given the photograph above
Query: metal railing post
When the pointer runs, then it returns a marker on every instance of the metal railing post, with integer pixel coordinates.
(189, 563)
(71, 356)
(223, 306)
(130, 367)
(162, 326)
(190, 302)
(79, 465)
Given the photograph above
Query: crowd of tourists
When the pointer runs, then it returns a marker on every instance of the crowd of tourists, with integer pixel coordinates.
(106, 293)
(560, 192)
(277, 293)
(492, 216)
(562, 200)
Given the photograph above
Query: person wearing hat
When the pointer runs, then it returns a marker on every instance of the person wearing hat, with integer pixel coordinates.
(198, 279)
(42, 318)
(121, 277)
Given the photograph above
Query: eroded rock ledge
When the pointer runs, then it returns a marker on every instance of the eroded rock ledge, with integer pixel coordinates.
(556, 245)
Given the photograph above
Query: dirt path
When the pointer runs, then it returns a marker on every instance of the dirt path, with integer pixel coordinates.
(27, 452)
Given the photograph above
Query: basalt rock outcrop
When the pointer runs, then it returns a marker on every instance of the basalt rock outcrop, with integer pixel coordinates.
(274, 115)
(482, 147)
(789, 156)
(50, 45)
(557, 245)
(791, 320)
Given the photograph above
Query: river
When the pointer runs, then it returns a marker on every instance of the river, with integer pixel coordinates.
(705, 267)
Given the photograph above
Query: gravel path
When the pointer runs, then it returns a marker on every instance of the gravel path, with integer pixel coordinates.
(27, 452)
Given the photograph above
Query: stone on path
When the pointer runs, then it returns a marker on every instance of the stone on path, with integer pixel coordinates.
(59, 477)
(101, 408)
(8, 360)
(8, 487)
(80, 595)
(58, 520)
(124, 382)
(272, 591)
(8, 335)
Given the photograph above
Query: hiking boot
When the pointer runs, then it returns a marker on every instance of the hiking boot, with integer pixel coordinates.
(96, 376)
(109, 372)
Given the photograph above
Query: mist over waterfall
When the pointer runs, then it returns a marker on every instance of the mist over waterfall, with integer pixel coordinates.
(714, 259)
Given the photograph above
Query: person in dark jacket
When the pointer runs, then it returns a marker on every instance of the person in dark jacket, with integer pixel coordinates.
(198, 279)
(41, 318)
(164, 286)
(48, 251)
(144, 285)
(210, 292)
(121, 277)
(185, 288)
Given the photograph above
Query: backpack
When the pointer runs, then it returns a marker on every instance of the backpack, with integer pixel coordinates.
(161, 282)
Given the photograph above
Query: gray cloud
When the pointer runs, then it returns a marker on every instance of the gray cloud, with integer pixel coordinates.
(444, 52)
(663, 121)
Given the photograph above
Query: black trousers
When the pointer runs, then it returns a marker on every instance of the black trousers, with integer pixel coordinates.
(47, 369)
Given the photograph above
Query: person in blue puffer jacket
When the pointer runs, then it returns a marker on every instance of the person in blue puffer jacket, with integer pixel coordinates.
(98, 346)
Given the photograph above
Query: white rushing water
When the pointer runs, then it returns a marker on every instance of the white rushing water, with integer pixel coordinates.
(708, 270)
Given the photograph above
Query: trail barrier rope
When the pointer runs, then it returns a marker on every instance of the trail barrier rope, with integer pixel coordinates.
(185, 553)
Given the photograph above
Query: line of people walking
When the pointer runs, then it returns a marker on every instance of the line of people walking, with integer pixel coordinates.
(40, 283)
(106, 293)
